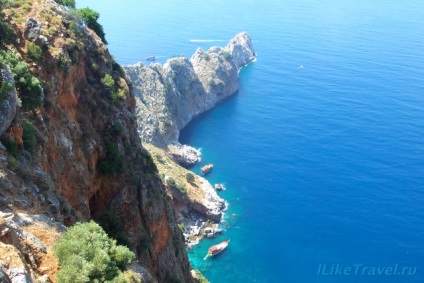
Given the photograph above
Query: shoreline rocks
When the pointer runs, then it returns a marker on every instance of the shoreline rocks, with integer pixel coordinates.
(184, 155)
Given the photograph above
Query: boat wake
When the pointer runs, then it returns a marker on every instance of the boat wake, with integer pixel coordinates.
(207, 40)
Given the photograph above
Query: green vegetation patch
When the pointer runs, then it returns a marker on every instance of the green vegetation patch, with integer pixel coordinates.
(7, 33)
(200, 278)
(190, 177)
(87, 254)
(90, 18)
(227, 55)
(5, 87)
(113, 226)
(28, 86)
(67, 3)
(113, 162)
(10, 144)
(34, 52)
(28, 137)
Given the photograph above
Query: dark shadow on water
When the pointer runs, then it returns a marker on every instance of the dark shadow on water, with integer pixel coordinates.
(186, 134)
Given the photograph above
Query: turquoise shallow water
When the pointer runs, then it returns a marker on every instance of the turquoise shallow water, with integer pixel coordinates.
(322, 149)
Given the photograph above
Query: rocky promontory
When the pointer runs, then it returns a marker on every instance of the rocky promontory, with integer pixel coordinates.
(168, 97)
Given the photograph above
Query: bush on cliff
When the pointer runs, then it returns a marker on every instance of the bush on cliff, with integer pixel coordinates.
(67, 3)
(90, 18)
(87, 254)
(29, 135)
(113, 226)
(7, 33)
(34, 52)
(200, 278)
(10, 145)
(28, 86)
(113, 162)
(190, 177)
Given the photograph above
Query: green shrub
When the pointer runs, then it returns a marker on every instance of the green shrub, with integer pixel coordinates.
(64, 62)
(67, 3)
(118, 127)
(28, 136)
(227, 55)
(28, 86)
(181, 227)
(7, 33)
(94, 67)
(52, 30)
(117, 69)
(113, 226)
(87, 254)
(26, 7)
(113, 162)
(170, 182)
(12, 163)
(206, 56)
(75, 29)
(190, 177)
(200, 278)
(108, 81)
(34, 52)
(143, 244)
(90, 18)
(182, 188)
(132, 277)
(10, 145)
(5, 87)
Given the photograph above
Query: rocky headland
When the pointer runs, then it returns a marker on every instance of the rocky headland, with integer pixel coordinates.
(167, 98)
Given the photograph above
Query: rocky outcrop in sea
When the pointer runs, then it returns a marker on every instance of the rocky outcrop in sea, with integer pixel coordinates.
(168, 97)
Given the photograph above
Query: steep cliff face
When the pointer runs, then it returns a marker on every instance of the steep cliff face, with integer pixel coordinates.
(86, 156)
(169, 96)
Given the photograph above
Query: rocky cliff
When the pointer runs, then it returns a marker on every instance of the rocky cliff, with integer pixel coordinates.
(168, 97)
(71, 150)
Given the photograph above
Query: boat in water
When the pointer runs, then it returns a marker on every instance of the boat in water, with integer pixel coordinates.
(207, 168)
(218, 248)
(151, 58)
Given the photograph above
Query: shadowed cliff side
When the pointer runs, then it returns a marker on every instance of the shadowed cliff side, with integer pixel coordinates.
(74, 153)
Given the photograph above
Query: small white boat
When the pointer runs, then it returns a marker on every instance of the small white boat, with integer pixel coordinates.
(207, 168)
(216, 249)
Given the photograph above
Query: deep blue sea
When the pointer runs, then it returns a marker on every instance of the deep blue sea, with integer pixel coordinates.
(322, 149)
